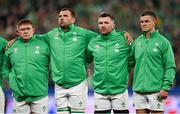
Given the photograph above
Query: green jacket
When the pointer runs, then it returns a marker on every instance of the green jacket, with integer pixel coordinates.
(155, 66)
(68, 51)
(110, 56)
(3, 43)
(26, 67)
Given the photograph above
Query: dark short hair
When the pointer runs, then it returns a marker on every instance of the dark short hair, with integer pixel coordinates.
(24, 22)
(70, 10)
(106, 14)
(150, 13)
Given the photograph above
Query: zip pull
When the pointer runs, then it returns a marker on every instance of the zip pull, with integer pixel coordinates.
(25, 44)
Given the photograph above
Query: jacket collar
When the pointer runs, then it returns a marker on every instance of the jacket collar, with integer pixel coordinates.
(152, 34)
(105, 37)
(70, 28)
(30, 39)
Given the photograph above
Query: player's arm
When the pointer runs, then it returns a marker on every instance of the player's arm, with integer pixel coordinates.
(11, 42)
(89, 57)
(127, 36)
(170, 69)
(6, 68)
(131, 57)
(44, 37)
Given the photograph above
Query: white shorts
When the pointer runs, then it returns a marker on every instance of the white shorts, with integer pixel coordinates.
(37, 107)
(74, 97)
(108, 102)
(2, 100)
(148, 101)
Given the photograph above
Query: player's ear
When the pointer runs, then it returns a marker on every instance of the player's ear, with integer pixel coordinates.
(156, 22)
(34, 30)
(17, 32)
(73, 20)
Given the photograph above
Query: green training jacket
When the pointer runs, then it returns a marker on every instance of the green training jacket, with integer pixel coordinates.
(3, 43)
(155, 66)
(26, 67)
(110, 56)
(68, 51)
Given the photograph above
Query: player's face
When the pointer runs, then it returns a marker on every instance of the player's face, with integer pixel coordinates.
(147, 23)
(25, 31)
(65, 18)
(106, 25)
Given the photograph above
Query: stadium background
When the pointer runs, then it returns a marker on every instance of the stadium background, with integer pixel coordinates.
(44, 13)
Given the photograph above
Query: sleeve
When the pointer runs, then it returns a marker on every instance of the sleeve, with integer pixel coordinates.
(6, 67)
(2, 51)
(169, 66)
(131, 58)
(89, 57)
(44, 37)
(91, 35)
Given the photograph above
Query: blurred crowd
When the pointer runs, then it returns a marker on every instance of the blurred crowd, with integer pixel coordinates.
(44, 15)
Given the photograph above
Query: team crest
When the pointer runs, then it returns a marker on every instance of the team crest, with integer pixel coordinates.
(15, 50)
(74, 36)
(156, 44)
(97, 46)
(56, 36)
(139, 44)
(37, 49)
(155, 50)
(116, 47)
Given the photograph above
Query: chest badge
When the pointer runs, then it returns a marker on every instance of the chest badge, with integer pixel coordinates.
(15, 50)
(155, 50)
(37, 48)
(156, 44)
(56, 36)
(74, 36)
(116, 49)
(97, 46)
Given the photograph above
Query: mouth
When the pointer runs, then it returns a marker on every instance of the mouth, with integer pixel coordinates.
(103, 29)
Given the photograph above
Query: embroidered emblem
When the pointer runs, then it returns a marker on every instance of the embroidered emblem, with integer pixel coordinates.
(56, 36)
(37, 49)
(156, 44)
(15, 50)
(155, 50)
(97, 46)
(74, 36)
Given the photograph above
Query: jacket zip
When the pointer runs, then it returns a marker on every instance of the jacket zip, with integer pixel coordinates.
(107, 78)
(145, 62)
(64, 43)
(25, 68)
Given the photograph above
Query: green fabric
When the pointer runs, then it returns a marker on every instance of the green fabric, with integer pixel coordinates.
(155, 66)
(26, 67)
(3, 43)
(68, 51)
(110, 56)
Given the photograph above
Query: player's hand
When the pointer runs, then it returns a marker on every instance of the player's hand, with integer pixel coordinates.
(128, 37)
(10, 43)
(163, 94)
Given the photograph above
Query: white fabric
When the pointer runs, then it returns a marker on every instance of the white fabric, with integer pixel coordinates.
(2, 100)
(148, 101)
(74, 97)
(108, 102)
(37, 107)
